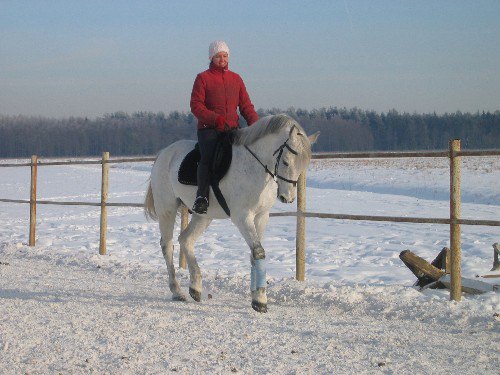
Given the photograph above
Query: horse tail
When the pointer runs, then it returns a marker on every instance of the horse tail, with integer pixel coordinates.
(149, 204)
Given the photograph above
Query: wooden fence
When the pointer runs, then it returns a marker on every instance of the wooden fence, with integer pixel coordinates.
(454, 221)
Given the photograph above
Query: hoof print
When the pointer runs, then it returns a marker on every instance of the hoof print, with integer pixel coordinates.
(195, 294)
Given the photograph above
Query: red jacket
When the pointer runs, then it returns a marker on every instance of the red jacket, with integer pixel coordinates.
(220, 92)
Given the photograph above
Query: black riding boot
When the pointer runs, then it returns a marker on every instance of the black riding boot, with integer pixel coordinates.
(207, 140)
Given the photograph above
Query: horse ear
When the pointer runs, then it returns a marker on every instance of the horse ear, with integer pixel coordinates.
(314, 137)
(298, 131)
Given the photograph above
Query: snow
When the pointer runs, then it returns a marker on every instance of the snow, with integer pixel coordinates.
(65, 309)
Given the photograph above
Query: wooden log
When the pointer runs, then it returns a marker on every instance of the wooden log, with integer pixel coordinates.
(104, 198)
(493, 276)
(455, 230)
(420, 267)
(300, 240)
(471, 286)
(32, 235)
(496, 253)
(442, 260)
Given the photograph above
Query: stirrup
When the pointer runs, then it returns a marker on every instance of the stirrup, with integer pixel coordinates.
(200, 205)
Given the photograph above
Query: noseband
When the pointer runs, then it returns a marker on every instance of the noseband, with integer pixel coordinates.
(278, 151)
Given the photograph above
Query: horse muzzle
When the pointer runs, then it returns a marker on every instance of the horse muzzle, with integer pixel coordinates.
(283, 199)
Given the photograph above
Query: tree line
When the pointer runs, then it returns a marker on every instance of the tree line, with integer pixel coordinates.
(342, 129)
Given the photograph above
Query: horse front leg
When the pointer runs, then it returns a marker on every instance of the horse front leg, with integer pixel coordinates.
(248, 229)
(258, 279)
(167, 223)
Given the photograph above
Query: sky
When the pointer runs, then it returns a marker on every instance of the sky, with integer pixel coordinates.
(90, 58)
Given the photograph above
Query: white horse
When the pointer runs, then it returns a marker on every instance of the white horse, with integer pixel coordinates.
(268, 158)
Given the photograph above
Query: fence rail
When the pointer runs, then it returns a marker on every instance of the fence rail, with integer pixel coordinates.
(62, 203)
(402, 154)
(395, 219)
(70, 162)
(454, 221)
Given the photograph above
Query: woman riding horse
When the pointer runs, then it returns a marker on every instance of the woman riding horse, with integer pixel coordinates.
(217, 93)
(267, 160)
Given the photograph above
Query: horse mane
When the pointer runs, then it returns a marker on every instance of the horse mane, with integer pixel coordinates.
(273, 124)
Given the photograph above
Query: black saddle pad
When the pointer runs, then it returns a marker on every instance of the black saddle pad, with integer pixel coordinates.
(187, 171)
(223, 155)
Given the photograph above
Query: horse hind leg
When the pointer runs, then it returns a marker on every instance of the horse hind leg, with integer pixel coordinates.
(167, 223)
(187, 239)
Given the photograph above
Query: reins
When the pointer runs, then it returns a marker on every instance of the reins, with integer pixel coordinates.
(279, 151)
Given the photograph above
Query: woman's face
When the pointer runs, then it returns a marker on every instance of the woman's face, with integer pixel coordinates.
(220, 60)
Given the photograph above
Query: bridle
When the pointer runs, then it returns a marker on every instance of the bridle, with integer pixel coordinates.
(278, 151)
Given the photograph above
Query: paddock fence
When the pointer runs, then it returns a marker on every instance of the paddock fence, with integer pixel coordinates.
(454, 153)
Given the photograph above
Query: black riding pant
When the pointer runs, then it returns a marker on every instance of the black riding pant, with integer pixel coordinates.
(207, 140)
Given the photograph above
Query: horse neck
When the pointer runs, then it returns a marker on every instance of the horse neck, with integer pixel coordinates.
(263, 149)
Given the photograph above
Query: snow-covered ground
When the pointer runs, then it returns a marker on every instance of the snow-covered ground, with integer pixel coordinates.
(65, 309)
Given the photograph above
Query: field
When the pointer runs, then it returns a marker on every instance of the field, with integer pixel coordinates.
(66, 309)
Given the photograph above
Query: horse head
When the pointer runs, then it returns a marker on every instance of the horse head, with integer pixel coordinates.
(292, 159)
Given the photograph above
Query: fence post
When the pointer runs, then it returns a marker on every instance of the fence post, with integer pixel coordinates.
(456, 273)
(184, 224)
(34, 162)
(300, 244)
(104, 198)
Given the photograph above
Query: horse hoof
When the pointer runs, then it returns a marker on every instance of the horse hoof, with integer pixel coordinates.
(195, 294)
(179, 297)
(259, 307)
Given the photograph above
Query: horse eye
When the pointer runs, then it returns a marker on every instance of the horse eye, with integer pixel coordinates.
(285, 163)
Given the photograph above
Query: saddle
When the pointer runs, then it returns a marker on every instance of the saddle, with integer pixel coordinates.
(221, 161)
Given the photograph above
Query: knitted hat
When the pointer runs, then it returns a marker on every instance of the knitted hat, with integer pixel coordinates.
(216, 47)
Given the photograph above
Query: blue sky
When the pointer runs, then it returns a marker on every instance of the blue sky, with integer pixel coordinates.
(89, 58)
